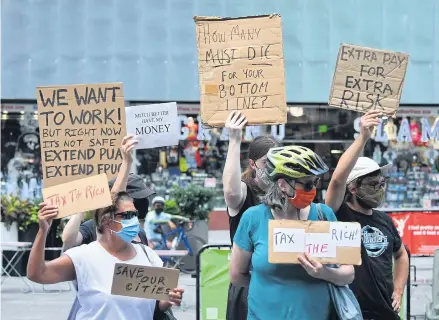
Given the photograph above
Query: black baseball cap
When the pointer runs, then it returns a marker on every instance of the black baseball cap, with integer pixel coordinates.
(136, 187)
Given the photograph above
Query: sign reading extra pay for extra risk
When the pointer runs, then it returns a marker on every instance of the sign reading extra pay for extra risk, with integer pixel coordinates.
(154, 125)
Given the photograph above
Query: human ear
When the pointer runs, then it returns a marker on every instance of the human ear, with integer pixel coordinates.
(252, 164)
(282, 185)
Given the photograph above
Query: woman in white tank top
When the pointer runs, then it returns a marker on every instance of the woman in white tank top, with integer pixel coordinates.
(92, 265)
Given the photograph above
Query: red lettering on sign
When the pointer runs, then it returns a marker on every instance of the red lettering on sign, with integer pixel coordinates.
(315, 248)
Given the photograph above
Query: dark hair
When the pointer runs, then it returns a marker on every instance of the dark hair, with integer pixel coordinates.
(258, 148)
(110, 211)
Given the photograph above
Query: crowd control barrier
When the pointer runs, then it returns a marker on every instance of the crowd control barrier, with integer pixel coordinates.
(213, 281)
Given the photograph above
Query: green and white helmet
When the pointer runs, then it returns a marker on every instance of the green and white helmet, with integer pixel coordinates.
(294, 162)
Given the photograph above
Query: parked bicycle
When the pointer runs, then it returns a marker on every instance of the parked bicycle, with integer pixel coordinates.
(180, 241)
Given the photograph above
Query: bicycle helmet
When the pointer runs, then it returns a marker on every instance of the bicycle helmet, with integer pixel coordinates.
(294, 162)
(158, 200)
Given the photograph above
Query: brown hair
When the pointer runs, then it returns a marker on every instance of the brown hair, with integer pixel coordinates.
(108, 212)
(258, 148)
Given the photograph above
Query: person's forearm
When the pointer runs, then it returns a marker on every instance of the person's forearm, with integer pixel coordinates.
(401, 273)
(347, 160)
(71, 230)
(241, 280)
(339, 276)
(164, 305)
(232, 174)
(122, 177)
(36, 264)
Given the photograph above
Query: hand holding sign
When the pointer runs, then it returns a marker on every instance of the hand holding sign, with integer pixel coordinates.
(234, 124)
(314, 268)
(126, 147)
(367, 122)
(46, 214)
(175, 296)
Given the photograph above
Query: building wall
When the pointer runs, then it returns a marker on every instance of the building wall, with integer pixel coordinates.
(150, 45)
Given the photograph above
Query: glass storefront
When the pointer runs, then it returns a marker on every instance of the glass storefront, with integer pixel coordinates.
(200, 156)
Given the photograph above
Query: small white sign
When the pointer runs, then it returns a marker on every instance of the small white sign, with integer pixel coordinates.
(345, 234)
(288, 240)
(320, 245)
(154, 125)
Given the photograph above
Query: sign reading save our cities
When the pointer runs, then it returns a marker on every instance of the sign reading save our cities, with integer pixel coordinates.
(81, 128)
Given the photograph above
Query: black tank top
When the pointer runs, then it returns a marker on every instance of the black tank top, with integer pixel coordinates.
(250, 201)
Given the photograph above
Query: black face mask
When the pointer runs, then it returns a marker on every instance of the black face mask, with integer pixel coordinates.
(363, 204)
(159, 210)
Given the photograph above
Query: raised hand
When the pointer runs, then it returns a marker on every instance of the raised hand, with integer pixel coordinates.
(127, 146)
(46, 214)
(368, 122)
(234, 124)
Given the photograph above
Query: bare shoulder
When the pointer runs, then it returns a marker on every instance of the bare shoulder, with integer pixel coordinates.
(234, 211)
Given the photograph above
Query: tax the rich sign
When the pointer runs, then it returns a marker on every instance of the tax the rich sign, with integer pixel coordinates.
(327, 242)
(79, 196)
(241, 67)
(367, 78)
(81, 128)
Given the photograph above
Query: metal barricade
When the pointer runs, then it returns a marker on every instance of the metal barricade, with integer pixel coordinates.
(212, 281)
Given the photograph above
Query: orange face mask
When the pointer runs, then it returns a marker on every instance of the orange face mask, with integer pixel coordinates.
(302, 198)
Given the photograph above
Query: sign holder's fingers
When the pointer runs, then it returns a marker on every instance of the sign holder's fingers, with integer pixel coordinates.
(236, 116)
(125, 139)
(231, 114)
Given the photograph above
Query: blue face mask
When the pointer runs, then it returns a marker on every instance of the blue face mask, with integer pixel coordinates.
(130, 229)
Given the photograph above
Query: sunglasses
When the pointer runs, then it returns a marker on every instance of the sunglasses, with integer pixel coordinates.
(127, 214)
(307, 186)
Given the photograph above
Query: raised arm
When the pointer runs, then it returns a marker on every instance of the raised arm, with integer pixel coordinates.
(337, 186)
(127, 146)
(71, 237)
(232, 185)
(40, 271)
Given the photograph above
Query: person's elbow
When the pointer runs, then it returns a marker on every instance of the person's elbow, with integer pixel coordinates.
(348, 277)
(232, 198)
(34, 275)
(234, 276)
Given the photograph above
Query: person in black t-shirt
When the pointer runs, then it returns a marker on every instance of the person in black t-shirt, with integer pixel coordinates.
(357, 187)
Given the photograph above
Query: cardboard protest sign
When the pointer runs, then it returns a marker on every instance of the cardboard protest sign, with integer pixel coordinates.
(80, 195)
(144, 282)
(327, 242)
(81, 128)
(367, 78)
(154, 125)
(241, 67)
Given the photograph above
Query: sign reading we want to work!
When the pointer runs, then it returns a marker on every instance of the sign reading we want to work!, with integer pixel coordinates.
(241, 67)
(81, 128)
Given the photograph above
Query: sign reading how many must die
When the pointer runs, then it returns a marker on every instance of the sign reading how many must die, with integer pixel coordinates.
(241, 67)
(144, 282)
(367, 78)
(79, 196)
(154, 125)
(327, 242)
(81, 128)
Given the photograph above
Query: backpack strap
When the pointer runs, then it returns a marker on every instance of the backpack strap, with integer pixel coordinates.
(320, 214)
(144, 250)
